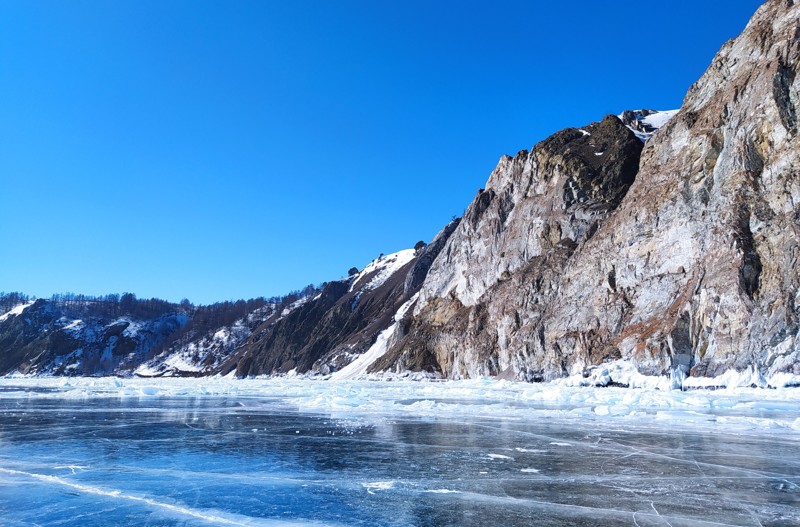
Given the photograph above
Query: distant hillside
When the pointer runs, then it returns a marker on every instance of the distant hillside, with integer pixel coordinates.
(73, 334)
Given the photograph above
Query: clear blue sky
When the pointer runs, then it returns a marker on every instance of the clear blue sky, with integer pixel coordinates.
(230, 149)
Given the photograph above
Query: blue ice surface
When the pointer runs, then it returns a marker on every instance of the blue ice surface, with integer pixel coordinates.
(251, 462)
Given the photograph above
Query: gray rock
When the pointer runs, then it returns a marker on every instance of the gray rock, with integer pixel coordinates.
(696, 269)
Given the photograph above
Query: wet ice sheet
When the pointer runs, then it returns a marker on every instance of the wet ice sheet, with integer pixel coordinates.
(299, 455)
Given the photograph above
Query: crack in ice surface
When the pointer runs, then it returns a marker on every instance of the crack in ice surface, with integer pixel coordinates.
(599, 511)
(211, 517)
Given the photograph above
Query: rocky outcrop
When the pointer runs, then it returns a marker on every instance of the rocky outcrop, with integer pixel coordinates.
(644, 123)
(635, 120)
(695, 270)
(704, 248)
(497, 270)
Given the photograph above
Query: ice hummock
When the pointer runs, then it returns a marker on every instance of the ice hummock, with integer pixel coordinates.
(405, 395)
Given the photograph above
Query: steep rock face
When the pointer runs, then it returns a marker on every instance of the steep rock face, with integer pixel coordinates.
(327, 332)
(703, 251)
(696, 270)
(498, 269)
(532, 202)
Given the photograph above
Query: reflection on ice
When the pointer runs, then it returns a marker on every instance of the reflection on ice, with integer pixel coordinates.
(219, 452)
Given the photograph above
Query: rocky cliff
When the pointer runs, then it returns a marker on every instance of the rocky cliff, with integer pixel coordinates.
(500, 270)
(565, 260)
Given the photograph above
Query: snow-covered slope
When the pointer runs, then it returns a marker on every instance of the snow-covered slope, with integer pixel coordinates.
(331, 329)
(345, 320)
(200, 354)
(15, 311)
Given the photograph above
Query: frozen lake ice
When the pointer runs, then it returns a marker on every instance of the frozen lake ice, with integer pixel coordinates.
(92, 452)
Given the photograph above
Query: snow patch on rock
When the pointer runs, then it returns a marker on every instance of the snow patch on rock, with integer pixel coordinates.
(645, 123)
(360, 365)
(15, 311)
(380, 270)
